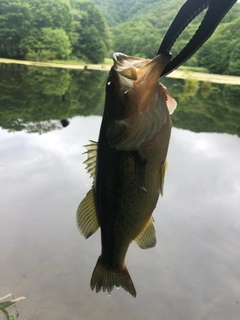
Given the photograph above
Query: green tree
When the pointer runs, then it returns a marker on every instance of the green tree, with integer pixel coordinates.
(138, 27)
(52, 14)
(147, 26)
(216, 52)
(119, 11)
(234, 61)
(55, 44)
(90, 32)
(139, 39)
(14, 26)
(215, 55)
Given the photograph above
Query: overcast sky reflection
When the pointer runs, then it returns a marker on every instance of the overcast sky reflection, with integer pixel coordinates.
(192, 273)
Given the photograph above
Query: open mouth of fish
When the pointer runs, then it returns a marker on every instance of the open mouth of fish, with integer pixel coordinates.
(133, 70)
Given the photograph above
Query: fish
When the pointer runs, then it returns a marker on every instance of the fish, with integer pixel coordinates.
(128, 165)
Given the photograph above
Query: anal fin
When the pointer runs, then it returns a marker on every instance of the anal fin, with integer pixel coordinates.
(147, 238)
(86, 215)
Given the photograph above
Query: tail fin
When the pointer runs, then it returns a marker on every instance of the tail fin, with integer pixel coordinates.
(105, 279)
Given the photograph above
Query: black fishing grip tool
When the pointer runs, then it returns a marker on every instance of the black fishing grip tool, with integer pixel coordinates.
(190, 9)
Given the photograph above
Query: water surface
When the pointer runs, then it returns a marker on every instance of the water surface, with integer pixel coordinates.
(192, 273)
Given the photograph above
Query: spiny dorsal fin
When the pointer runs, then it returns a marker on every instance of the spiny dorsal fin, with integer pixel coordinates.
(162, 171)
(147, 238)
(92, 156)
(86, 216)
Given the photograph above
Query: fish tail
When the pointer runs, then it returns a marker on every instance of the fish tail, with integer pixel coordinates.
(105, 279)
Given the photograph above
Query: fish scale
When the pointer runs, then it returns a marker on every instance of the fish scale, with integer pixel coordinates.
(130, 161)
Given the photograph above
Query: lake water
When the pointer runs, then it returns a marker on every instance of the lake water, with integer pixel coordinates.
(193, 273)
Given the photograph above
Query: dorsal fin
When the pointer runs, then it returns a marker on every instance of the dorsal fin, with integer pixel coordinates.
(91, 157)
(147, 238)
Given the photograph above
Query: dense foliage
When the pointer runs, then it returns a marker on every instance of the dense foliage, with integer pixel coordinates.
(138, 27)
(118, 11)
(52, 29)
(90, 32)
(221, 54)
(69, 29)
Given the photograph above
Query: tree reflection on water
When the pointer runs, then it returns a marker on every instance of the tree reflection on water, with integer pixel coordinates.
(36, 99)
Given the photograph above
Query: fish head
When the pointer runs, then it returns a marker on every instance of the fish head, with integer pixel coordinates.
(131, 84)
(133, 94)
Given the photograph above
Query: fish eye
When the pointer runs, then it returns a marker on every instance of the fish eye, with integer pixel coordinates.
(110, 88)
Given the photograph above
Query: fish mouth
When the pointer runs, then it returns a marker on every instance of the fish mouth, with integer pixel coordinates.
(134, 70)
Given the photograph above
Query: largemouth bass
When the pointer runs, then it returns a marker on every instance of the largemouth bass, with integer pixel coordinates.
(127, 165)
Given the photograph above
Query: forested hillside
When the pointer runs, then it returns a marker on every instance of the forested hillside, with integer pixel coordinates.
(117, 11)
(91, 30)
(138, 27)
(52, 29)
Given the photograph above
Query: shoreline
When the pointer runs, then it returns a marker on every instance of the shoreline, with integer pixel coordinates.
(177, 74)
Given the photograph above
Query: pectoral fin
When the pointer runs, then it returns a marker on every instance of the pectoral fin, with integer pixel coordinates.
(147, 238)
(162, 171)
(86, 216)
(117, 134)
(140, 167)
(92, 157)
(129, 134)
(171, 102)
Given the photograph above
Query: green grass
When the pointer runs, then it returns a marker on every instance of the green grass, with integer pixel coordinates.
(108, 61)
(68, 61)
(81, 62)
(194, 69)
(11, 317)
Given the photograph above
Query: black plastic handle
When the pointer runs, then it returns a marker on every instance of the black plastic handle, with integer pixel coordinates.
(190, 9)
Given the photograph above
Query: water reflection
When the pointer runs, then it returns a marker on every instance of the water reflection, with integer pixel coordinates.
(36, 99)
(33, 97)
(192, 273)
(205, 107)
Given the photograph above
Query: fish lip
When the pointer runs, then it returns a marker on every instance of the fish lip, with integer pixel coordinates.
(122, 60)
(130, 69)
(118, 58)
(126, 68)
(125, 61)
